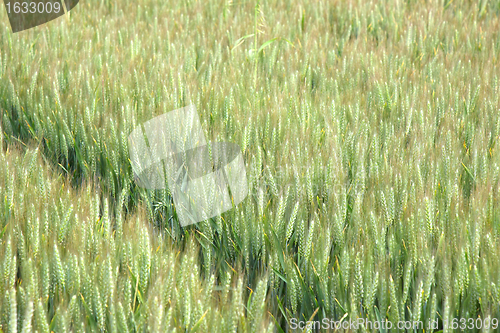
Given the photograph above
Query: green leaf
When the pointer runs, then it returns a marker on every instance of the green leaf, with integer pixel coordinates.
(277, 324)
(281, 309)
(89, 316)
(279, 248)
(341, 307)
(240, 41)
(379, 319)
(53, 322)
(279, 275)
(249, 300)
(289, 42)
(468, 172)
(198, 323)
(266, 44)
(3, 231)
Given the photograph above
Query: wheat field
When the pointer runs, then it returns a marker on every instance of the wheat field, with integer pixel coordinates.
(369, 131)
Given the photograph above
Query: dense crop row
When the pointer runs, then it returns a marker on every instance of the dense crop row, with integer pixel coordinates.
(65, 265)
(370, 135)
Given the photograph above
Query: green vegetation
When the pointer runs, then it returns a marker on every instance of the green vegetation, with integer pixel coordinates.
(370, 133)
